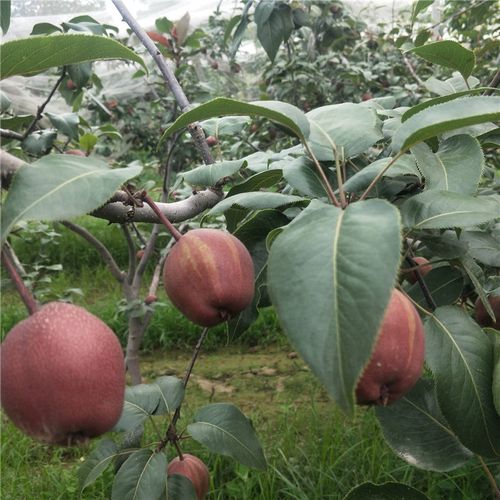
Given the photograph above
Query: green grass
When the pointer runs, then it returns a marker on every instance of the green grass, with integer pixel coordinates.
(313, 450)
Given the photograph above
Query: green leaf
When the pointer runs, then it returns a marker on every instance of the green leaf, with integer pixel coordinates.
(209, 175)
(227, 125)
(171, 394)
(28, 56)
(350, 128)
(16, 122)
(5, 15)
(419, 6)
(449, 54)
(5, 103)
(66, 123)
(39, 142)
(164, 25)
(180, 488)
(274, 22)
(417, 431)
(96, 463)
(445, 209)
(141, 477)
(60, 187)
(456, 166)
(446, 116)
(45, 29)
(482, 247)
(88, 141)
(332, 304)
(405, 165)
(445, 285)
(265, 179)
(141, 401)
(439, 100)
(285, 114)
(460, 356)
(258, 201)
(385, 491)
(454, 85)
(223, 429)
(301, 174)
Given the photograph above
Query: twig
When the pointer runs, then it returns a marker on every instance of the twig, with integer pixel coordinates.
(173, 230)
(422, 283)
(412, 71)
(24, 292)
(10, 134)
(101, 249)
(131, 253)
(493, 84)
(195, 129)
(490, 477)
(459, 13)
(380, 175)
(44, 104)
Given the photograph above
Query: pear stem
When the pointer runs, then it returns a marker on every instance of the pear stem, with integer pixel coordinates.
(490, 477)
(422, 283)
(24, 292)
(173, 230)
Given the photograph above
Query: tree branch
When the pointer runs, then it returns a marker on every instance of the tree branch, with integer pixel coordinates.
(131, 253)
(194, 129)
(101, 249)
(10, 134)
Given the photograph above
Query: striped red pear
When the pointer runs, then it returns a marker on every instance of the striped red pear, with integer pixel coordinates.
(209, 276)
(398, 357)
(195, 470)
(63, 375)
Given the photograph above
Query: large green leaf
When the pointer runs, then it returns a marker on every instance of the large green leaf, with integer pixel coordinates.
(328, 300)
(451, 86)
(66, 123)
(258, 201)
(96, 462)
(445, 285)
(223, 429)
(209, 175)
(60, 187)
(449, 54)
(385, 491)
(180, 488)
(456, 166)
(482, 247)
(141, 401)
(445, 209)
(141, 477)
(350, 128)
(264, 179)
(28, 56)
(281, 112)
(444, 117)
(460, 356)
(417, 431)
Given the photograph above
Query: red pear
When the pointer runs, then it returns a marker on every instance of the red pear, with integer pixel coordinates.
(209, 276)
(194, 469)
(75, 152)
(482, 317)
(63, 375)
(424, 266)
(398, 357)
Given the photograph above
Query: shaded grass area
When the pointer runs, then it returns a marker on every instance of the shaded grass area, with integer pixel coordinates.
(313, 450)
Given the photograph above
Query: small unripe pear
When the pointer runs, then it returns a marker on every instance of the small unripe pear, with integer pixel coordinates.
(482, 316)
(209, 276)
(75, 152)
(63, 375)
(194, 469)
(397, 360)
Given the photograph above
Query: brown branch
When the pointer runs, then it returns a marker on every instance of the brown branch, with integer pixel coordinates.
(493, 84)
(10, 134)
(24, 292)
(101, 249)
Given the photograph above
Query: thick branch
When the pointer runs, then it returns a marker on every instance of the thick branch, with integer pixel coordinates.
(9, 165)
(10, 134)
(194, 129)
(103, 251)
(176, 212)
